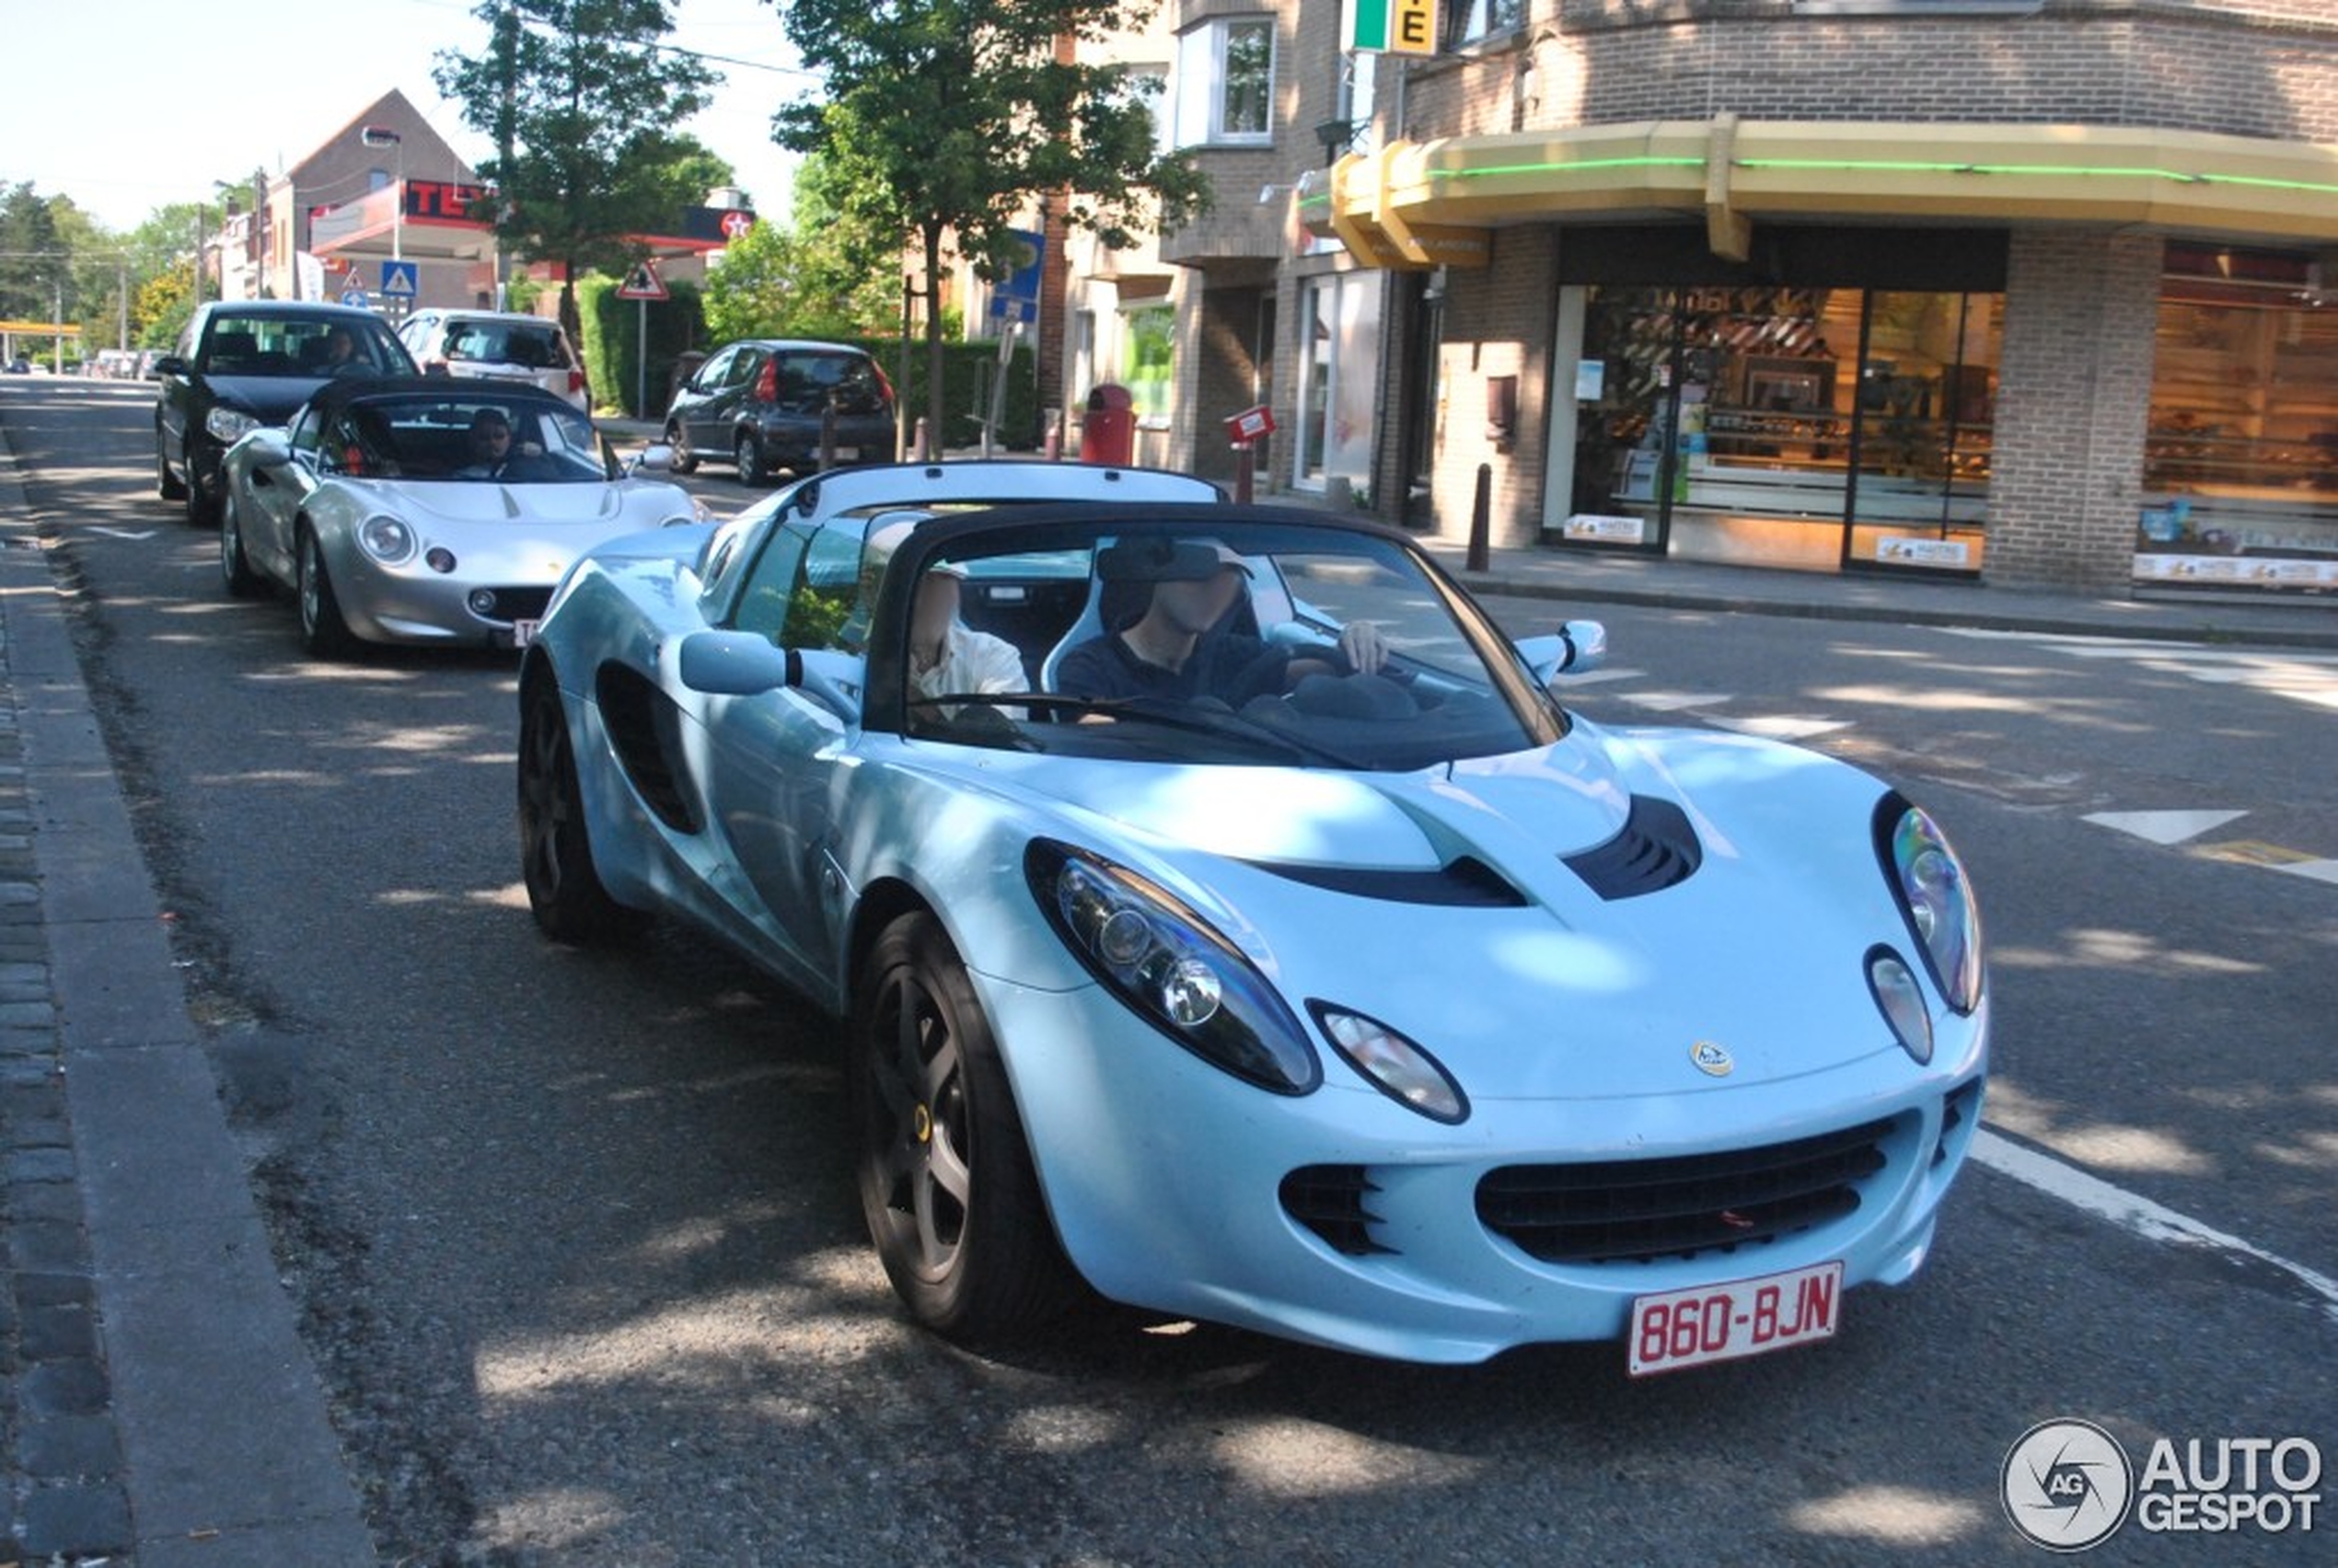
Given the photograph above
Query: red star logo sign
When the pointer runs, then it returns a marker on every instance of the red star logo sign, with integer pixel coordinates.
(736, 223)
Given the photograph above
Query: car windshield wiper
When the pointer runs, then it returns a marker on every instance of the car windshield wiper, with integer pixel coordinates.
(1170, 714)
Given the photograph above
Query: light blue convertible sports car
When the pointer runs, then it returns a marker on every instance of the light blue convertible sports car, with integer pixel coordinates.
(1226, 915)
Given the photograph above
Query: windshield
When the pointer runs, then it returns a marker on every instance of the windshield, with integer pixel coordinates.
(301, 345)
(1234, 643)
(474, 439)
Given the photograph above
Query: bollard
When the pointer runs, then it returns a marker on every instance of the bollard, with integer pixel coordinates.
(828, 434)
(917, 444)
(1481, 517)
(1051, 449)
(1245, 472)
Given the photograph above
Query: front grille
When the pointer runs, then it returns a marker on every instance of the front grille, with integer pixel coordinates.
(1329, 1201)
(1634, 1210)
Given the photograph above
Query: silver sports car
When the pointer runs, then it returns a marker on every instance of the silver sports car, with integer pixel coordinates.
(424, 510)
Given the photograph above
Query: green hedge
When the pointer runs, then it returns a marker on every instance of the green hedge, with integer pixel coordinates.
(612, 345)
(676, 326)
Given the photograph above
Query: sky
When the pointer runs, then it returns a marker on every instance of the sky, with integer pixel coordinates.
(128, 104)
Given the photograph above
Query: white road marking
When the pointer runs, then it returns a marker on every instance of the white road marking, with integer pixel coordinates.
(1778, 727)
(2153, 1222)
(122, 533)
(2163, 828)
(1674, 701)
(2320, 871)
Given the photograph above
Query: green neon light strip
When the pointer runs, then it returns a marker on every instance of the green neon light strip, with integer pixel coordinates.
(1839, 166)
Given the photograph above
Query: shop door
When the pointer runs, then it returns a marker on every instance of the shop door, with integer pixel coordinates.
(1919, 477)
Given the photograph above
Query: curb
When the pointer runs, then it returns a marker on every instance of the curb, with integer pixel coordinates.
(194, 1382)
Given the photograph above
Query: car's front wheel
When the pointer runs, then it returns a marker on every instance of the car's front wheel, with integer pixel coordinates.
(235, 568)
(323, 629)
(202, 507)
(168, 485)
(749, 451)
(946, 1180)
(564, 891)
(685, 460)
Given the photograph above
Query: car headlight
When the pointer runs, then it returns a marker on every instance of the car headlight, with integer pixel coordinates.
(1171, 967)
(1900, 1001)
(227, 426)
(386, 539)
(1929, 883)
(1392, 1064)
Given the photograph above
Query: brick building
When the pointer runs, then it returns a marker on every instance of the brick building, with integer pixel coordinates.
(2032, 290)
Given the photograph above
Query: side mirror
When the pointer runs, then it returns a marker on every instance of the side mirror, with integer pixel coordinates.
(737, 663)
(170, 364)
(269, 447)
(1577, 648)
(657, 460)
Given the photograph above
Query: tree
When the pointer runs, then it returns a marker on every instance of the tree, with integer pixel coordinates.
(577, 94)
(818, 275)
(952, 117)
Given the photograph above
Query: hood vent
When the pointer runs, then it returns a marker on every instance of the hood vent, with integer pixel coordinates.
(1465, 884)
(1657, 849)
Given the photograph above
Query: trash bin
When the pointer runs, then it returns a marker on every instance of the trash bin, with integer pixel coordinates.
(1109, 432)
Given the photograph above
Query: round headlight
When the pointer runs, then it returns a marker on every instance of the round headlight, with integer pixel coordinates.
(387, 540)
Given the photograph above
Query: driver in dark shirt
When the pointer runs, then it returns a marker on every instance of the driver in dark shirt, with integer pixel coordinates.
(1170, 651)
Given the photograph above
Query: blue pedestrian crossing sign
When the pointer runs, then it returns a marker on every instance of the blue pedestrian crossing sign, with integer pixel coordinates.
(397, 279)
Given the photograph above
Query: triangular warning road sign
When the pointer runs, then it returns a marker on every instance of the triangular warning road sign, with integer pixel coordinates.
(643, 282)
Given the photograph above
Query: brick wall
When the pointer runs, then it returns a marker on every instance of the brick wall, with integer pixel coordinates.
(1498, 322)
(2264, 69)
(2074, 397)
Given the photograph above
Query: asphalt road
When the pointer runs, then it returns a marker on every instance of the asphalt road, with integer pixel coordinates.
(576, 1250)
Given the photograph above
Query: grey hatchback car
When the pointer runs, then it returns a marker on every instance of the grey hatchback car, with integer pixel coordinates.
(763, 403)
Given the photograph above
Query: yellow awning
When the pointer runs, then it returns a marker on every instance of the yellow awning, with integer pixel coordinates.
(1427, 203)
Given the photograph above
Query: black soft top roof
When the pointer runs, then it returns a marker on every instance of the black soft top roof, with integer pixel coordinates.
(343, 390)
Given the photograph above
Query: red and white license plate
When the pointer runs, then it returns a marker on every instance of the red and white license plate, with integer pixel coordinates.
(522, 632)
(1745, 1317)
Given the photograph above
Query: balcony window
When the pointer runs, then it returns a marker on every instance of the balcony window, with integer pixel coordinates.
(1226, 82)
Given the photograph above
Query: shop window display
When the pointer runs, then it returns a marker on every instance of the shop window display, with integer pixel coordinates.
(2240, 464)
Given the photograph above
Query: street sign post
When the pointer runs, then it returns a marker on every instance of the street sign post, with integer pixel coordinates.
(398, 279)
(643, 284)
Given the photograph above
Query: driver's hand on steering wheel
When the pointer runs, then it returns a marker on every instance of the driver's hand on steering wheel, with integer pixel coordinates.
(1362, 646)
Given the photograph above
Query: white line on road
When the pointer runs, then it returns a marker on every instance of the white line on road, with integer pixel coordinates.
(2152, 1221)
(124, 533)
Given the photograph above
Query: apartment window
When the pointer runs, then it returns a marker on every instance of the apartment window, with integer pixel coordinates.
(1226, 82)
(1474, 19)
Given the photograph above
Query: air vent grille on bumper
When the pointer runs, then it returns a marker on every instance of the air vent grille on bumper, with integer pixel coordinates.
(1629, 1210)
(1329, 1201)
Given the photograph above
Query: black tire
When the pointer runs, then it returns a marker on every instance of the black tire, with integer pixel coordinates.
(564, 891)
(202, 507)
(685, 460)
(749, 453)
(235, 568)
(945, 1176)
(323, 631)
(167, 484)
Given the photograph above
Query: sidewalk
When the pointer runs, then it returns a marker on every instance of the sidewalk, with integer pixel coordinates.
(157, 1405)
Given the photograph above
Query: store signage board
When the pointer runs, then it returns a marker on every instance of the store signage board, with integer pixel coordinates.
(1396, 27)
(1925, 552)
(2268, 571)
(1606, 529)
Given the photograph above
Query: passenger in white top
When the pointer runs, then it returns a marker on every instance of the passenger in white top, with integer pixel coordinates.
(945, 658)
